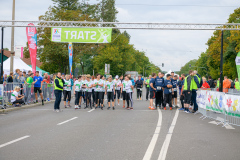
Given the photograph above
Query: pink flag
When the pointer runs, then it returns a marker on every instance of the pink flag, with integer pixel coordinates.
(32, 45)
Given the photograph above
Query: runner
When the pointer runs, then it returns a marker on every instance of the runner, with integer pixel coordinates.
(110, 91)
(98, 84)
(103, 91)
(168, 92)
(67, 91)
(152, 90)
(159, 92)
(83, 89)
(88, 92)
(77, 90)
(129, 89)
(139, 85)
(121, 79)
(174, 93)
(38, 86)
(182, 92)
(123, 90)
(147, 87)
(93, 90)
(117, 89)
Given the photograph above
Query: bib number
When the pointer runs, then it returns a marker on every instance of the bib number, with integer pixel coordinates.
(159, 88)
(170, 90)
(109, 90)
(175, 89)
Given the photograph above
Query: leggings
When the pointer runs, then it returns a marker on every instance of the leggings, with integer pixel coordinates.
(167, 99)
(117, 94)
(66, 94)
(159, 98)
(98, 96)
(77, 97)
(88, 97)
(139, 93)
(93, 95)
(110, 96)
(129, 98)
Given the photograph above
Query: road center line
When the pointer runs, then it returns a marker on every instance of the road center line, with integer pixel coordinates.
(91, 110)
(13, 141)
(153, 142)
(163, 152)
(66, 121)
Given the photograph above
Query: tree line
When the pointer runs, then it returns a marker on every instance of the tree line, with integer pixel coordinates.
(120, 54)
(208, 63)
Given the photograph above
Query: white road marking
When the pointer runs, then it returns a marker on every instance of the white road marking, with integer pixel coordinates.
(213, 122)
(91, 110)
(13, 141)
(66, 121)
(163, 152)
(229, 127)
(152, 144)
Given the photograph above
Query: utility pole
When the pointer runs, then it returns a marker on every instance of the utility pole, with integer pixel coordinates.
(221, 65)
(12, 37)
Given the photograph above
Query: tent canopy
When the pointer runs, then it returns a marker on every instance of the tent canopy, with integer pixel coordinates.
(17, 64)
(39, 69)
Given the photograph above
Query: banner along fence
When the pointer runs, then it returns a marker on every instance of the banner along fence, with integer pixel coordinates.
(223, 107)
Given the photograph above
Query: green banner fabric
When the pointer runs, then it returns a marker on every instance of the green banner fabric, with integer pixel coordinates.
(238, 64)
(81, 35)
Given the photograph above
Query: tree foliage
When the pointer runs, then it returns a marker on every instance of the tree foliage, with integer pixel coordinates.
(231, 46)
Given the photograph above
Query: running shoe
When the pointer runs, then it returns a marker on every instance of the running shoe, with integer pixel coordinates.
(152, 108)
(85, 107)
(140, 98)
(76, 107)
(113, 108)
(108, 108)
(131, 108)
(128, 108)
(181, 109)
(118, 104)
(149, 107)
(123, 106)
(101, 108)
(165, 108)
(42, 102)
(65, 106)
(79, 107)
(170, 108)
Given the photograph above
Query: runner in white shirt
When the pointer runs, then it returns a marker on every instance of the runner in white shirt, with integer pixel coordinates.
(67, 91)
(83, 88)
(88, 92)
(110, 91)
(93, 90)
(77, 90)
(117, 87)
(98, 84)
(129, 90)
(123, 91)
(103, 90)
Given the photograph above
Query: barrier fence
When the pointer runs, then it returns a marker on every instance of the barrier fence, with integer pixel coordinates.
(27, 90)
(220, 106)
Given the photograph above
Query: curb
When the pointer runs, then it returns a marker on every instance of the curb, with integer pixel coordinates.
(24, 107)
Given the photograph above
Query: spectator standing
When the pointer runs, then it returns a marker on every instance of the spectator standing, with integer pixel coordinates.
(211, 82)
(232, 84)
(205, 85)
(237, 86)
(29, 82)
(15, 76)
(147, 83)
(226, 84)
(196, 83)
(21, 81)
(38, 86)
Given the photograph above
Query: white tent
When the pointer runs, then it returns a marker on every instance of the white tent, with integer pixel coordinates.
(17, 64)
(169, 72)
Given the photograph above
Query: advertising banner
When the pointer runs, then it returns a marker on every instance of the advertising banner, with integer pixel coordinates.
(32, 45)
(81, 35)
(237, 60)
(70, 53)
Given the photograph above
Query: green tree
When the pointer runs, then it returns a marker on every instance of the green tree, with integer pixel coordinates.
(186, 68)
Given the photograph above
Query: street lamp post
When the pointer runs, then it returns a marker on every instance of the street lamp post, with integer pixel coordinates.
(12, 37)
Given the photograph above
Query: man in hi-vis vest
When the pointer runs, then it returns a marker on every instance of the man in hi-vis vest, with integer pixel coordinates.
(58, 89)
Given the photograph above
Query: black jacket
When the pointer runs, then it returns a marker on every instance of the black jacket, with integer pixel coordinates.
(139, 83)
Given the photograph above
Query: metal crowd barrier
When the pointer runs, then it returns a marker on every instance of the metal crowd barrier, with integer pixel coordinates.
(28, 91)
(219, 106)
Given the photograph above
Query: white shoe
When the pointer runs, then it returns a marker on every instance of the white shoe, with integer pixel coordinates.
(118, 104)
(57, 110)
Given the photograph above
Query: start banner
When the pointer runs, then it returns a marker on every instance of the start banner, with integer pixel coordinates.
(81, 35)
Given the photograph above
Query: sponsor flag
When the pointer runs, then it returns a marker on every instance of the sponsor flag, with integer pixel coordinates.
(237, 60)
(70, 53)
(32, 45)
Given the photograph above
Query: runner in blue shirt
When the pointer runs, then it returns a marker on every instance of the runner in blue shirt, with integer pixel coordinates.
(152, 90)
(159, 81)
(174, 93)
(38, 86)
(168, 92)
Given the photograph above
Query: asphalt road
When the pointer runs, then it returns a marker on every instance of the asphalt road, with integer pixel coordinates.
(39, 133)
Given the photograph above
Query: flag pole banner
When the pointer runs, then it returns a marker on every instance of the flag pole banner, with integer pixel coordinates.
(237, 60)
(70, 53)
(81, 35)
(32, 45)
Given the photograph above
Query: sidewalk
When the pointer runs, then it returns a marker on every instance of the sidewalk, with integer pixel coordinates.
(9, 109)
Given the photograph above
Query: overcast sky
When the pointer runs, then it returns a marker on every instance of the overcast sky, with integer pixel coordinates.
(173, 48)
